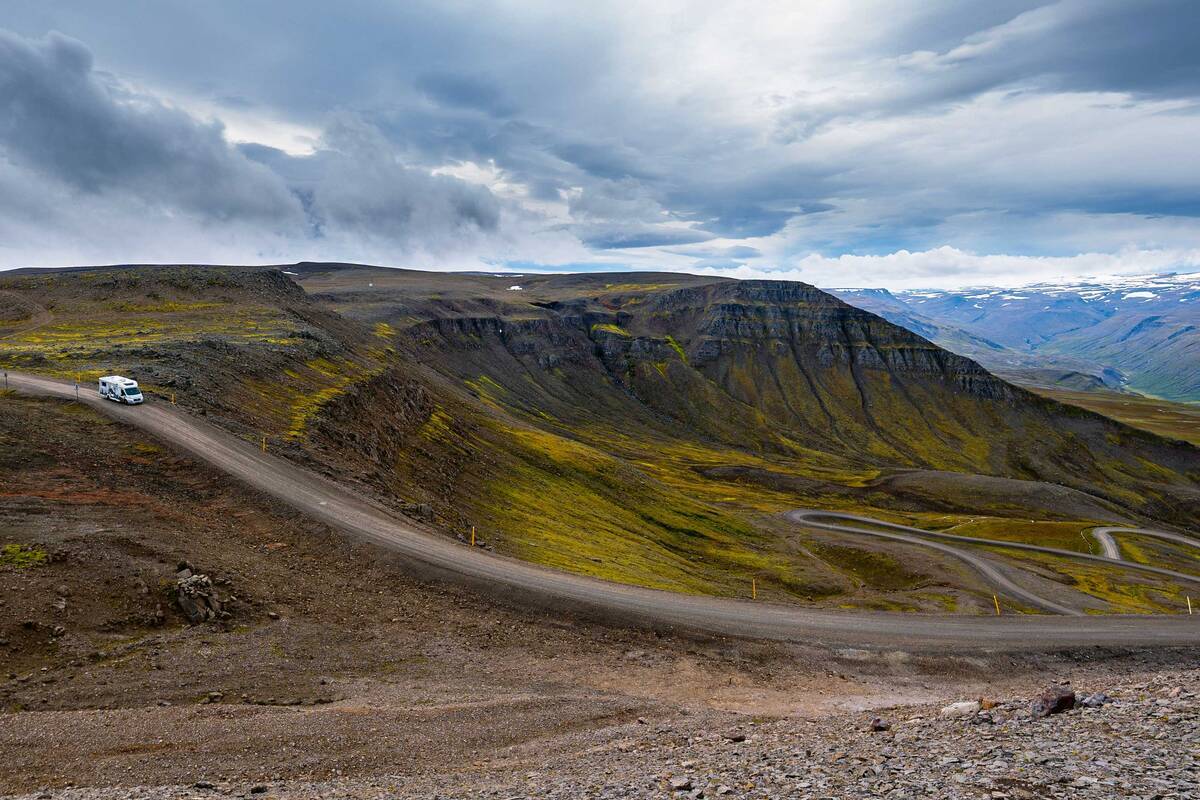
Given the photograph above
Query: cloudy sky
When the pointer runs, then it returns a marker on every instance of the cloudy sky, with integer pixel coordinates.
(843, 143)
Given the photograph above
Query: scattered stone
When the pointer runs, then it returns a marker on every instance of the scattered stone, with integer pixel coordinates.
(273, 615)
(1095, 700)
(878, 724)
(681, 784)
(965, 708)
(204, 785)
(735, 737)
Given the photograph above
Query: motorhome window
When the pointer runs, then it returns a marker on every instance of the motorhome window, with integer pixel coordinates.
(131, 391)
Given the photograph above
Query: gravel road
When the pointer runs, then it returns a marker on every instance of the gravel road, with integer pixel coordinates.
(833, 521)
(1104, 535)
(520, 582)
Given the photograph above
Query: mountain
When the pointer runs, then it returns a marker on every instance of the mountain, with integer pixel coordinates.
(1140, 333)
(640, 427)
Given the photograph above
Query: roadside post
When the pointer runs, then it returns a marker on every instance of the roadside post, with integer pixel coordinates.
(753, 589)
(1189, 599)
(264, 444)
(996, 600)
(472, 536)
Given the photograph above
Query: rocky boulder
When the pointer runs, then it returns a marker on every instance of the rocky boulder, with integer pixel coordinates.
(1055, 700)
(196, 598)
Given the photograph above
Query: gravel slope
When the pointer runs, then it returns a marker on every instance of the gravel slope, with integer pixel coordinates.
(1143, 743)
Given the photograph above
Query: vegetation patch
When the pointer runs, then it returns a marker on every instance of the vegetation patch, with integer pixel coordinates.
(1126, 593)
(877, 570)
(678, 348)
(16, 556)
(608, 327)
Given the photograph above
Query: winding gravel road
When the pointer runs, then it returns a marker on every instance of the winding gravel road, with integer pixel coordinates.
(519, 582)
(1112, 551)
(987, 568)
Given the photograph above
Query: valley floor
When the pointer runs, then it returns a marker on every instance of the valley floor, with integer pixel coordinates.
(1164, 417)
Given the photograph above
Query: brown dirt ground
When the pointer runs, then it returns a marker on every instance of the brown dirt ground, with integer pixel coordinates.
(335, 661)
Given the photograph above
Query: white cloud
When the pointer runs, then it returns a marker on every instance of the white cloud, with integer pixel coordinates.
(948, 267)
(859, 137)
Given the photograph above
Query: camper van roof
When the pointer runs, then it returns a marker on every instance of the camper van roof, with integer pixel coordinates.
(119, 380)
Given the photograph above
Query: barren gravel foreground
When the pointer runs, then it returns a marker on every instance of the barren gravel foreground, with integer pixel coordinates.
(1144, 742)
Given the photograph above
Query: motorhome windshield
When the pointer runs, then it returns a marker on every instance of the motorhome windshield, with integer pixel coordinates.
(132, 391)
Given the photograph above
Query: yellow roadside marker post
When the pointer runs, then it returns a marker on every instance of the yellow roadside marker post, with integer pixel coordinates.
(753, 589)
(264, 444)
(472, 536)
(996, 600)
(1189, 599)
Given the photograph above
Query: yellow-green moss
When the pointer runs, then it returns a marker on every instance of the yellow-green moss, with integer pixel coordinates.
(608, 327)
(16, 556)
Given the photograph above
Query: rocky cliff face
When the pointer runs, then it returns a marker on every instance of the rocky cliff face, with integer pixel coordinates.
(728, 319)
(770, 367)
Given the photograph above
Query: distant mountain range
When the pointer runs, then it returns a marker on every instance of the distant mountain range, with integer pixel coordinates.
(1129, 333)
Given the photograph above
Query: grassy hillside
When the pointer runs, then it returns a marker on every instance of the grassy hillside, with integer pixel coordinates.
(246, 346)
(1163, 417)
(639, 428)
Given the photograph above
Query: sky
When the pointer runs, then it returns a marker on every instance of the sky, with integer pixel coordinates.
(850, 143)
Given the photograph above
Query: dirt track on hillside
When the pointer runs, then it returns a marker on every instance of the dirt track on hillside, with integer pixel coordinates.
(519, 582)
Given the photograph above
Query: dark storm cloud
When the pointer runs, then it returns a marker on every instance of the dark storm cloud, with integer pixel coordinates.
(464, 91)
(358, 186)
(62, 118)
(737, 253)
(631, 236)
(1145, 48)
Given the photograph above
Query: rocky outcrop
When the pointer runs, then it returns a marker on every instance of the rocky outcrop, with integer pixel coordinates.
(196, 597)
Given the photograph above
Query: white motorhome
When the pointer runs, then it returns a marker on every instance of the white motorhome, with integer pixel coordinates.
(120, 390)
